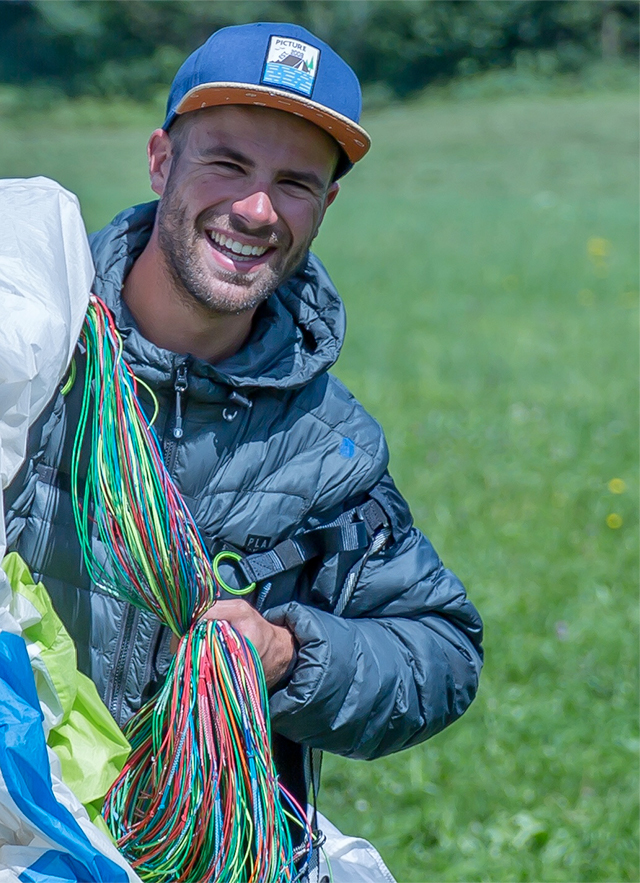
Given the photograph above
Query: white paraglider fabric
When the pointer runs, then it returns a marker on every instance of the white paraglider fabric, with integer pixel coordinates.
(346, 859)
(46, 273)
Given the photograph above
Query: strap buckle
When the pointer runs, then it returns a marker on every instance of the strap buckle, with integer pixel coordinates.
(350, 532)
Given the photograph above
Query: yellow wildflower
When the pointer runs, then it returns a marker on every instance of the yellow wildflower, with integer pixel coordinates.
(598, 247)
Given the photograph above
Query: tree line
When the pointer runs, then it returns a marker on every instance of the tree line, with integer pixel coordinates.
(129, 47)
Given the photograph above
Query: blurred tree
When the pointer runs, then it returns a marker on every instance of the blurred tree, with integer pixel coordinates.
(131, 46)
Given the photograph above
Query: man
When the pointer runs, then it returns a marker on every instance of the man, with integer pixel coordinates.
(369, 645)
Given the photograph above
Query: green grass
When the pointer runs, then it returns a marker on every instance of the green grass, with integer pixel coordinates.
(487, 253)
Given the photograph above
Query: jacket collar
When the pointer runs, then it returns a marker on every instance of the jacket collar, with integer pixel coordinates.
(297, 334)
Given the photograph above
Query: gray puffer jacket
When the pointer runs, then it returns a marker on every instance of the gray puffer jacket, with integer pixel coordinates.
(272, 446)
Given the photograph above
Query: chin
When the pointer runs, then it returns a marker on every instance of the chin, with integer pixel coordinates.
(228, 299)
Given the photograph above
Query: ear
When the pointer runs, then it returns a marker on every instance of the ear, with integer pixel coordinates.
(332, 192)
(160, 154)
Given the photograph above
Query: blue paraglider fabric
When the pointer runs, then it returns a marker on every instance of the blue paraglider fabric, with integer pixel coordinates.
(24, 766)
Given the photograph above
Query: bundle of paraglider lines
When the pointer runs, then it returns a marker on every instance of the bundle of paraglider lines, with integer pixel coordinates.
(199, 798)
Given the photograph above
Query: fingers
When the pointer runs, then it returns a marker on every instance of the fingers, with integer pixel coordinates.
(274, 643)
(231, 610)
(245, 619)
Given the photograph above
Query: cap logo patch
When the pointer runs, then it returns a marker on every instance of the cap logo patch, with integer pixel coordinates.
(292, 64)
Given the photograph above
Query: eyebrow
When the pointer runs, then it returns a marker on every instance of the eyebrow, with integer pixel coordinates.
(228, 152)
(236, 156)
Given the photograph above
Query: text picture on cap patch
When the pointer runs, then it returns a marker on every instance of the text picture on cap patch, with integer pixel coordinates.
(292, 64)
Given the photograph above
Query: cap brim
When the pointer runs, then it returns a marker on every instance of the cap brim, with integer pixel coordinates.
(350, 136)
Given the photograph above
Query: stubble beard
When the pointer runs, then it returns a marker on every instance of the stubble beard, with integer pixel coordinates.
(181, 244)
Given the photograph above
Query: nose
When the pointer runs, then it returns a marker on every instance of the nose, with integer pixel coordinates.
(255, 210)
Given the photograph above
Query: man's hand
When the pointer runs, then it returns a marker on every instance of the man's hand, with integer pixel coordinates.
(274, 643)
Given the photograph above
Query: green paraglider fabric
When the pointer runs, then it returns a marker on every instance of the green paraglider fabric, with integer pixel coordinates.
(89, 744)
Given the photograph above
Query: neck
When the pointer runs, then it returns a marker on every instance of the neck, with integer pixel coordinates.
(172, 320)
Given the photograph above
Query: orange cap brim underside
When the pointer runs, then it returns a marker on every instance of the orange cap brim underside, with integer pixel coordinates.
(350, 136)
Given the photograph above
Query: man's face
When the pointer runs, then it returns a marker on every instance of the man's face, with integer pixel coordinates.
(242, 199)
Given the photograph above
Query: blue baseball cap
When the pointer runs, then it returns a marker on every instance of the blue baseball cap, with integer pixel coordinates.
(277, 65)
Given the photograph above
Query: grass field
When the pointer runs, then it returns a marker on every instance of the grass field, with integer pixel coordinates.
(487, 253)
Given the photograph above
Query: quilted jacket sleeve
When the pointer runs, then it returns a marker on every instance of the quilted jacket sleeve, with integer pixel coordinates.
(399, 665)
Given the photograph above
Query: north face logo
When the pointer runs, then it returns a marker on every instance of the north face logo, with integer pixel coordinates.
(257, 544)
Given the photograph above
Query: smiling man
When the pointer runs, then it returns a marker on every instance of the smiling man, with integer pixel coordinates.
(368, 642)
(244, 190)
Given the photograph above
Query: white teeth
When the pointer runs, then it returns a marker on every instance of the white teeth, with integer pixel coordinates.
(237, 247)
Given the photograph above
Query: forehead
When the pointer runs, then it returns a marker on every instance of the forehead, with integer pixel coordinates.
(263, 133)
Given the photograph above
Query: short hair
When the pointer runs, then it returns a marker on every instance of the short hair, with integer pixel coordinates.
(179, 130)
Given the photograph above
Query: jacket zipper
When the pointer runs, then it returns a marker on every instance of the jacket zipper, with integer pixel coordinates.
(172, 437)
(180, 386)
(114, 699)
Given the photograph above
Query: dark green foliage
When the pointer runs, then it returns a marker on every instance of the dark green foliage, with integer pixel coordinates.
(128, 47)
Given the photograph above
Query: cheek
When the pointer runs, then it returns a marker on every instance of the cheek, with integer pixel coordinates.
(203, 192)
(301, 218)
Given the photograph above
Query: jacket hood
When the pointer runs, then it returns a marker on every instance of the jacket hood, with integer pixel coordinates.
(297, 333)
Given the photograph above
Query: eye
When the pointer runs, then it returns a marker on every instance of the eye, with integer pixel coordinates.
(296, 185)
(227, 165)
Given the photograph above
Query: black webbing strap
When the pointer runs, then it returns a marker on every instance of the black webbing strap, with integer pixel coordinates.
(349, 532)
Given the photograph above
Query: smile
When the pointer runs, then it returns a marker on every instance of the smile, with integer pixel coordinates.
(238, 251)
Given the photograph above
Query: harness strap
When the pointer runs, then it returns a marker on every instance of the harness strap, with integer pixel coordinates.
(349, 532)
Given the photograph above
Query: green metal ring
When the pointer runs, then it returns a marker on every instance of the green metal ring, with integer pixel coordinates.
(232, 556)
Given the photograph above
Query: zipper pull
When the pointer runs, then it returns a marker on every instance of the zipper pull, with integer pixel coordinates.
(180, 387)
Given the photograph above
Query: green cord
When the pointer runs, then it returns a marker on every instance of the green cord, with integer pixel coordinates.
(71, 379)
